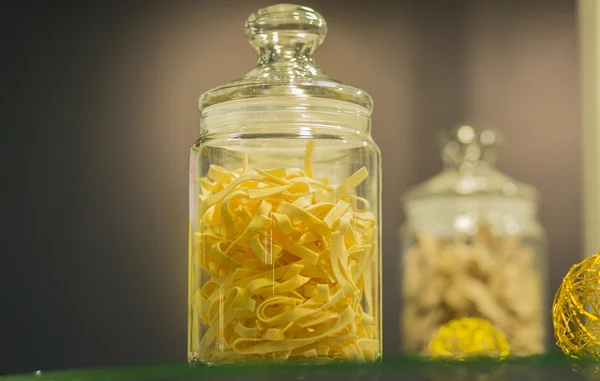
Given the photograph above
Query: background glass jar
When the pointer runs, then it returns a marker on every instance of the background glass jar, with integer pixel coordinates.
(285, 209)
(472, 247)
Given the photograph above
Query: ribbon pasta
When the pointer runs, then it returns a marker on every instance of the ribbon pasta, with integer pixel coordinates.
(283, 267)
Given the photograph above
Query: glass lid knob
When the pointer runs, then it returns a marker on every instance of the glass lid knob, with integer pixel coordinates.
(285, 30)
(466, 144)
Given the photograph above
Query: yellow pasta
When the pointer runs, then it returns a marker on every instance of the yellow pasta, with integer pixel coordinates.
(287, 263)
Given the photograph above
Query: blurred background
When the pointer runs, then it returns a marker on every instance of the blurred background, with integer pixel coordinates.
(100, 103)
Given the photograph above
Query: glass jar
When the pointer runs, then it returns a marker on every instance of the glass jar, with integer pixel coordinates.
(285, 208)
(472, 247)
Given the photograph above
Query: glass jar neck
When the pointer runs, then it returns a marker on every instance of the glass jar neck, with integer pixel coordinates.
(287, 115)
(286, 65)
(470, 167)
(468, 158)
(300, 54)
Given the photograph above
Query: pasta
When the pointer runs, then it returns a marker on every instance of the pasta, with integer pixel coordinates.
(492, 277)
(283, 267)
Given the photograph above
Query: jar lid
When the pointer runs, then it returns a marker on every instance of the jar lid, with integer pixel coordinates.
(469, 154)
(286, 37)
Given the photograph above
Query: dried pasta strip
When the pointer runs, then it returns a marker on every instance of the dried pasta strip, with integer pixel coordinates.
(304, 201)
(339, 271)
(283, 223)
(363, 201)
(296, 212)
(270, 274)
(255, 225)
(336, 213)
(309, 236)
(310, 149)
(350, 183)
(294, 172)
(277, 175)
(320, 209)
(274, 334)
(301, 251)
(244, 272)
(322, 292)
(210, 201)
(220, 174)
(244, 331)
(267, 256)
(288, 316)
(366, 320)
(318, 319)
(241, 344)
(368, 283)
(227, 215)
(252, 264)
(314, 272)
(214, 216)
(206, 184)
(235, 298)
(221, 257)
(268, 287)
(368, 344)
(297, 189)
(243, 313)
(358, 254)
(351, 353)
(292, 272)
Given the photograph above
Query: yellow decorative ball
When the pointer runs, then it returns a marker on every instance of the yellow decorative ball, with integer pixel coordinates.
(469, 337)
(576, 310)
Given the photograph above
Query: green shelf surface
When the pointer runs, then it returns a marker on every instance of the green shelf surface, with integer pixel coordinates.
(554, 366)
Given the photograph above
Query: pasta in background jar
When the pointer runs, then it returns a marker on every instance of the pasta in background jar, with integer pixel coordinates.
(472, 247)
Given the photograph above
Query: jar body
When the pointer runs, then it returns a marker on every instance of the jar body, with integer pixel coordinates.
(473, 256)
(284, 239)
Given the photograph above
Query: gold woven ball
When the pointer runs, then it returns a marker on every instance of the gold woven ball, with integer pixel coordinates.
(469, 337)
(576, 310)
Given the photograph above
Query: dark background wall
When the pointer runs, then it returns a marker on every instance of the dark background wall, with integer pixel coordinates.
(100, 108)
